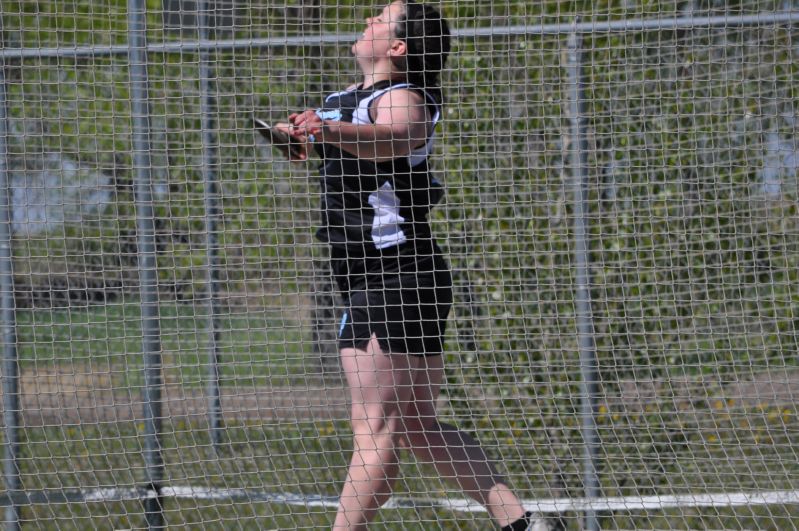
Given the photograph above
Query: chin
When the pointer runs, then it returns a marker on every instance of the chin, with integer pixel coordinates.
(359, 55)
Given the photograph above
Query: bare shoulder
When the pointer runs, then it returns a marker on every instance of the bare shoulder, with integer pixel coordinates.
(400, 96)
(402, 99)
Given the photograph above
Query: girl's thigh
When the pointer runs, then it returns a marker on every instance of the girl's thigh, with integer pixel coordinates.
(381, 384)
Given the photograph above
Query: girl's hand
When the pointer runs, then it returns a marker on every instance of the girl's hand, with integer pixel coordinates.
(302, 142)
(307, 122)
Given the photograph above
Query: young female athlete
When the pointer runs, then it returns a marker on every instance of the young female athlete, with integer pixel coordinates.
(374, 140)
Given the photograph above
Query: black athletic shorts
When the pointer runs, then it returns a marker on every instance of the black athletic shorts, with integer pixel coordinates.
(403, 300)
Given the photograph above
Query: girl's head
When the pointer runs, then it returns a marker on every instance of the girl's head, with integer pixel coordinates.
(405, 38)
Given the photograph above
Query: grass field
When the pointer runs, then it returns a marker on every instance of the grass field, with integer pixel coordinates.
(719, 446)
(307, 458)
(256, 347)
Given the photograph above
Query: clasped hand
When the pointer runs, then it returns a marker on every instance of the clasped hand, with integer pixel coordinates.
(305, 127)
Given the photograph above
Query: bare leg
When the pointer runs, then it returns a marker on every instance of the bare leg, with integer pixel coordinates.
(380, 386)
(393, 402)
(456, 455)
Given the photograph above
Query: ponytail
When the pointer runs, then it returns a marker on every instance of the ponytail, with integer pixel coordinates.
(427, 39)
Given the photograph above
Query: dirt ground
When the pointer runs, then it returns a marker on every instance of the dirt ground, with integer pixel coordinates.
(77, 395)
(74, 394)
(767, 387)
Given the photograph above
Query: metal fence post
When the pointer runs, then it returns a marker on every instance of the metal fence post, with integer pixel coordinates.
(212, 213)
(148, 276)
(578, 150)
(8, 320)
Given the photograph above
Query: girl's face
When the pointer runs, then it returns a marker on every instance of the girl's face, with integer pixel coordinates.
(379, 39)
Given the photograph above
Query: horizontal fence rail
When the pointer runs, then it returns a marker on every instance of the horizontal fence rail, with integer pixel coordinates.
(565, 28)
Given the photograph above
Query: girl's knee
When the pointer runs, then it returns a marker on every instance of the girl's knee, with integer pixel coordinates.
(377, 431)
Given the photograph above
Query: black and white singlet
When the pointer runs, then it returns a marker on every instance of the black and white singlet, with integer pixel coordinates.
(395, 283)
(371, 207)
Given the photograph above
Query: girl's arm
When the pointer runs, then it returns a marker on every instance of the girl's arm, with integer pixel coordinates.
(400, 125)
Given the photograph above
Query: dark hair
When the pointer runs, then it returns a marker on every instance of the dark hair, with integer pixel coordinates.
(426, 35)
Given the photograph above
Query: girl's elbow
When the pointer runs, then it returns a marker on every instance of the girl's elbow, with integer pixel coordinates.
(399, 148)
(385, 151)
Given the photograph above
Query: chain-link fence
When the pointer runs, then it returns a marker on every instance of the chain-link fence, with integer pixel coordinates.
(620, 218)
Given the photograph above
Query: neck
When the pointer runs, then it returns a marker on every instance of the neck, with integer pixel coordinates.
(372, 78)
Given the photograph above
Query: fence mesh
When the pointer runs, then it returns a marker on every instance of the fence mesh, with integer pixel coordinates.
(693, 248)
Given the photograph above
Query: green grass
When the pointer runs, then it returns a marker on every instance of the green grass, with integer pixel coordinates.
(716, 447)
(309, 458)
(256, 347)
(188, 514)
(293, 457)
